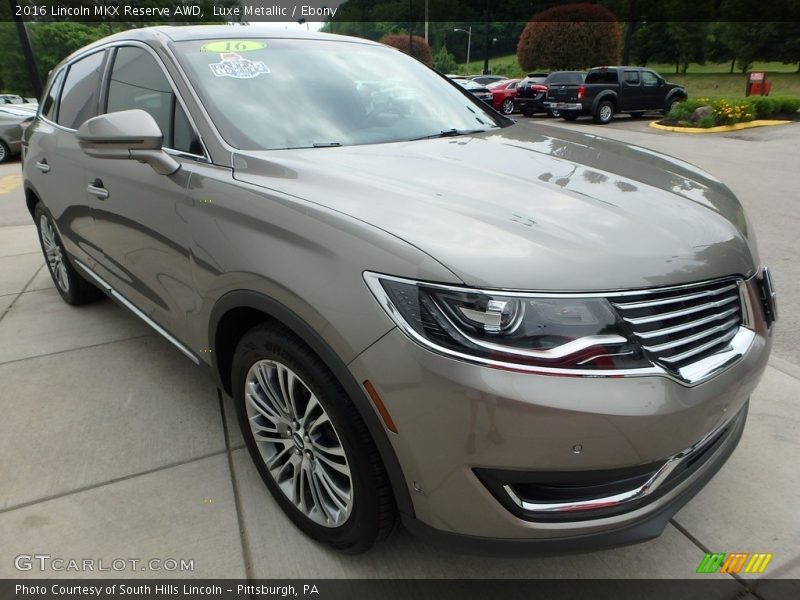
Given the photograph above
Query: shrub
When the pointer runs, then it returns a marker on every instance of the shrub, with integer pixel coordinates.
(787, 105)
(419, 47)
(728, 111)
(570, 36)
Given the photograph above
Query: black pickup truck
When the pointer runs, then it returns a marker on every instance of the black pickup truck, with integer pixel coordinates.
(610, 90)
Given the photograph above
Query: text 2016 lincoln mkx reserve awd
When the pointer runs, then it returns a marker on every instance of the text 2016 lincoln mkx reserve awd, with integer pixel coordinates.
(504, 336)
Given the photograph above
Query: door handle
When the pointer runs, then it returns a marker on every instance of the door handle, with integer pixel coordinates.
(43, 166)
(95, 188)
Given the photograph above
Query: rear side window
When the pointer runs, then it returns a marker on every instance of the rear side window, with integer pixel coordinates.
(137, 81)
(79, 98)
(604, 76)
(632, 77)
(51, 100)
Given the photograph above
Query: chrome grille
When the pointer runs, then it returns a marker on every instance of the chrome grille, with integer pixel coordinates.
(680, 326)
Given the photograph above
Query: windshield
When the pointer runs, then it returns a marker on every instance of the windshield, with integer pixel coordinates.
(271, 94)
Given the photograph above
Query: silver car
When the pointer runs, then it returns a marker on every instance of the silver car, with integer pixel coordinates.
(13, 119)
(499, 334)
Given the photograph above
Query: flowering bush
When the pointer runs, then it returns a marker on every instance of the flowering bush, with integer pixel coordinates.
(728, 111)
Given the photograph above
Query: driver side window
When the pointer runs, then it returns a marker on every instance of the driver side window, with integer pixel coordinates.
(649, 78)
(137, 81)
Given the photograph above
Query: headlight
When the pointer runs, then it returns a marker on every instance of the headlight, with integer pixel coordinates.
(510, 329)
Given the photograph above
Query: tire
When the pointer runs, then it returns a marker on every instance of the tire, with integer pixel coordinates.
(553, 112)
(317, 438)
(74, 289)
(604, 112)
(5, 153)
(569, 115)
(507, 107)
(637, 115)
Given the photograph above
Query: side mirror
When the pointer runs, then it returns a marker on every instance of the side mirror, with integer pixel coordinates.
(129, 134)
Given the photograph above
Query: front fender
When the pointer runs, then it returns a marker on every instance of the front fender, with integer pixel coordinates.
(287, 317)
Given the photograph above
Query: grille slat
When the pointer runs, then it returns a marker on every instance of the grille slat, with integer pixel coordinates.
(668, 300)
(647, 335)
(694, 351)
(678, 313)
(692, 338)
(680, 326)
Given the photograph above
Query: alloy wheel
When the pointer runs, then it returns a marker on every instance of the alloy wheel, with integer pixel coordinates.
(508, 106)
(298, 443)
(605, 113)
(52, 250)
(3, 152)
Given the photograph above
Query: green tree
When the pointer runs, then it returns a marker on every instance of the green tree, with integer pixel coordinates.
(52, 42)
(443, 61)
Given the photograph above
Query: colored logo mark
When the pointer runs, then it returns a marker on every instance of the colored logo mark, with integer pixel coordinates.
(734, 562)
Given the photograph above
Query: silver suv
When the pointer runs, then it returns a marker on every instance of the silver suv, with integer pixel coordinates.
(501, 334)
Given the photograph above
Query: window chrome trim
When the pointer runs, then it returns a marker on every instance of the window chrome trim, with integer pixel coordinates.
(205, 157)
(688, 376)
(107, 287)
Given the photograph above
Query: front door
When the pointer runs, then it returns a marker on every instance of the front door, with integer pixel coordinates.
(141, 217)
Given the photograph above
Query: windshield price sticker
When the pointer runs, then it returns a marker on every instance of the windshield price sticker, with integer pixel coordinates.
(233, 46)
(238, 67)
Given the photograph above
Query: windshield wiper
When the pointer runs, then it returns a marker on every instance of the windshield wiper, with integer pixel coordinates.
(326, 144)
(450, 133)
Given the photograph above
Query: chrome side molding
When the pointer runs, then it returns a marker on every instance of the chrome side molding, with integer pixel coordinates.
(108, 288)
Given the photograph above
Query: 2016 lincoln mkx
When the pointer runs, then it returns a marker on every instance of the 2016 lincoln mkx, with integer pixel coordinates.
(503, 335)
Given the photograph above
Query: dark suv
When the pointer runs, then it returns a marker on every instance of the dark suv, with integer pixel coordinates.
(532, 91)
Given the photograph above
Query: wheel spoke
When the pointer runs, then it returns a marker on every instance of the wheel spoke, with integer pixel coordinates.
(338, 496)
(331, 450)
(316, 494)
(283, 376)
(318, 422)
(333, 464)
(264, 407)
(311, 406)
(265, 382)
(278, 456)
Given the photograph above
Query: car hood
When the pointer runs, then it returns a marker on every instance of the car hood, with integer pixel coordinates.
(528, 208)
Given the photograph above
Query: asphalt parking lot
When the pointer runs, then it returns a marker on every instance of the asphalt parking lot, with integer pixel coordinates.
(115, 446)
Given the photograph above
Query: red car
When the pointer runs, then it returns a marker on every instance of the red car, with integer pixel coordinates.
(503, 94)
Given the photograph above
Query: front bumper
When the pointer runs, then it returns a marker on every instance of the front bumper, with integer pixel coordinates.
(648, 527)
(457, 422)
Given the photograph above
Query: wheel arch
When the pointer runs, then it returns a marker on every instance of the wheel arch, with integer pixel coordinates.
(607, 95)
(675, 94)
(238, 311)
(32, 198)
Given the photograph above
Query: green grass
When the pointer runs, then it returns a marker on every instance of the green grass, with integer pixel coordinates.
(712, 80)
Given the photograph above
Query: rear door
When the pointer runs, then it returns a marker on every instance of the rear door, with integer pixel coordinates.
(54, 162)
(142, 217)
(632, 95)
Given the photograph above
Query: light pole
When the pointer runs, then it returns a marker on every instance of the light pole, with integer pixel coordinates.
(469, 41)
